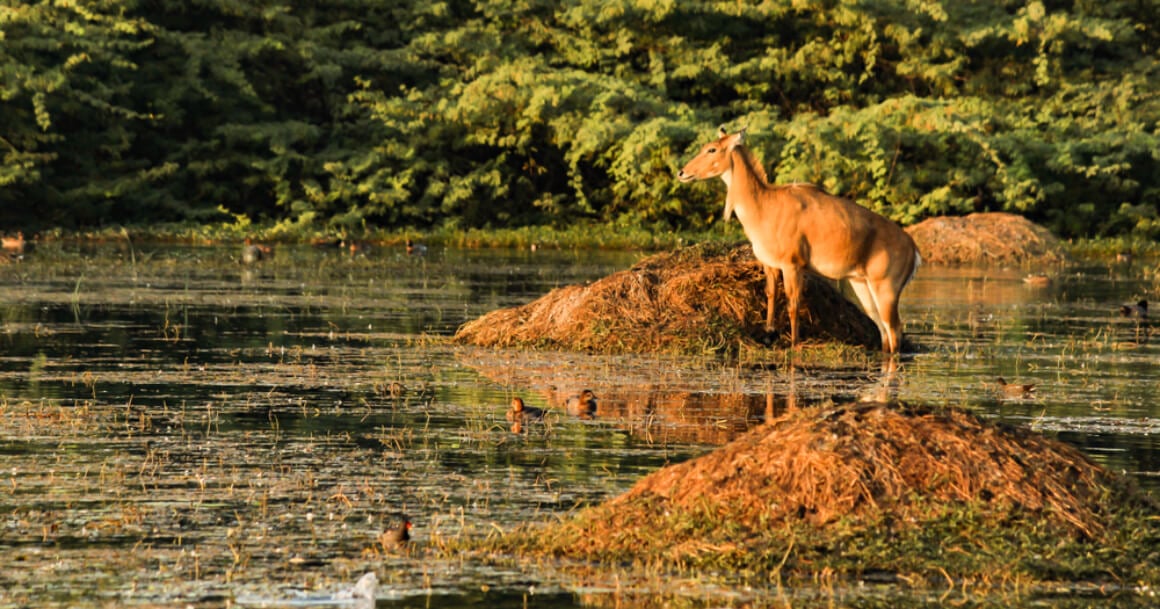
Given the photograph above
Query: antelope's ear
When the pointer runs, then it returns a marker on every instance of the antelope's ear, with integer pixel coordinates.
(735, 140)
(721, 132)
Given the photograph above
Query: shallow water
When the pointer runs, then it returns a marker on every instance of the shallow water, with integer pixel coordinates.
(176, 427)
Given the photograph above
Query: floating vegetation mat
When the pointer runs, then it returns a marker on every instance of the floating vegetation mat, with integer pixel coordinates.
(986, 238)
(704, 298)
(876, 491)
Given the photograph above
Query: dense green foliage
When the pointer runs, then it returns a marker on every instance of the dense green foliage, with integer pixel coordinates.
(345, 114)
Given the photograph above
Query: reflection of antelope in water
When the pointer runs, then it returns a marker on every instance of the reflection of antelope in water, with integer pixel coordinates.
(800, 227)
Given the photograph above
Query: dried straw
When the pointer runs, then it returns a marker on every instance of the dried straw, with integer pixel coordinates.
(708, 297)
(986, 238)
(867, 462)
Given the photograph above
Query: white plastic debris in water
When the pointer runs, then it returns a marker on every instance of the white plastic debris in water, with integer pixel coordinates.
(361, 596)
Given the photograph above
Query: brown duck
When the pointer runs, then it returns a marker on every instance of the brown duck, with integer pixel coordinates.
(519, 413)
(1138, 310)
(416, 249)
(254, 252)
(13, 245)
(1015, 390)
(397, 536)
(1037, 280)
(581, 405)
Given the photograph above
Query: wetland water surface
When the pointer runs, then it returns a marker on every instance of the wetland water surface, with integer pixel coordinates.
(177, 428)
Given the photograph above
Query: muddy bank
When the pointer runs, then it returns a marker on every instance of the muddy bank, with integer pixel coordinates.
(706, 298)
(986, 238)
(910, 495)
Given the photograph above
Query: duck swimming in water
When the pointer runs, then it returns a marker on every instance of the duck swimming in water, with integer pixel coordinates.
(1138, 310)
(13, 245)
(581, 405)
(520, 413)
(254, 252)
(416, 249)
(1015, 390)
(396, 536)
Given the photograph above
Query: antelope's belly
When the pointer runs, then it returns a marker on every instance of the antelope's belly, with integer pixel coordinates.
(765, 253)
(775, 254)
(833, 268)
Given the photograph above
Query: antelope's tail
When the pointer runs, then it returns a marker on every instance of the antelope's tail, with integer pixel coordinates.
(914, 269)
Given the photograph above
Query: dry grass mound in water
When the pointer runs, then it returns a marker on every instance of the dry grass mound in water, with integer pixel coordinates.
(703, 298)
(991, 238)
(875, 488)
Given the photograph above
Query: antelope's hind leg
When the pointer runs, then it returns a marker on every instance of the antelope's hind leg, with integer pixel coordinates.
(888, 306)
(871, 305)
(889, 323)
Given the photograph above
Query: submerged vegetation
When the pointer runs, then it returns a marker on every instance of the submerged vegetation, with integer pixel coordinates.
(580, 236)
(211, 431)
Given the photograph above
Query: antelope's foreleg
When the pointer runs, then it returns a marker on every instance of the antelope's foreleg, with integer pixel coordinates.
(771, 276)
(791, 277)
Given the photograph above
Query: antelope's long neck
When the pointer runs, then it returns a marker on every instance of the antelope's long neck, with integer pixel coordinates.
(744, 182)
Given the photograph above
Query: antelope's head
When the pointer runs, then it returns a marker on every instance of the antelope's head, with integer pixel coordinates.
(714, 160)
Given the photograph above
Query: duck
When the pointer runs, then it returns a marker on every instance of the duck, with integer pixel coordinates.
(396, 536)
(13, 245)
(254, 252)
(416, 249)
(394, 389)
(1138, 310)
(581, 405)
(357, 248)
(1037, 280)
(1014, 390)
(519, 413)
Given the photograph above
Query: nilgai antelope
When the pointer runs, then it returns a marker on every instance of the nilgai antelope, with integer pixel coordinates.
(799, 227)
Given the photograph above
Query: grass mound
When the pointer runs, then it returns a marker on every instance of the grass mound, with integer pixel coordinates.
(871, 488)
(703, 298)
(992, 238)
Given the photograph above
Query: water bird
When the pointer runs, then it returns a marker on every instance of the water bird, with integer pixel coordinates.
(1037, 280)
(520, 413)
(1138, 310)
(255, 252)
(582, 404)
(416, 249)
(396, 536)
(1015, 390)
(394, 389)
(357, 247)
(13, 245)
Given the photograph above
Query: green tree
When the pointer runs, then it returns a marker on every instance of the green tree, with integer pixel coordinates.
(350, 113)
(67, 72)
